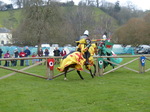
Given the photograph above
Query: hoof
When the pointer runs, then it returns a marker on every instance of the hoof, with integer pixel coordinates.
(65, 79)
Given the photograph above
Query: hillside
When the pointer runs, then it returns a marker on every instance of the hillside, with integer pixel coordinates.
(7, 15)
(63, 23)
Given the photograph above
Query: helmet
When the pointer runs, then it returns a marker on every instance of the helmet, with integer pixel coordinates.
(104, 37)
(86, 32)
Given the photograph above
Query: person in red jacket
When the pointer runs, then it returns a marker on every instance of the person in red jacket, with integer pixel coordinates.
(7, 55)
(22, 54)
(63, 52)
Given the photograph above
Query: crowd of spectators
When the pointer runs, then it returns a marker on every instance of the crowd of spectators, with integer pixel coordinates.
(27, 53)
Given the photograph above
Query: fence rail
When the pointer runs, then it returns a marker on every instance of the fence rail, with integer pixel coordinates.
(98, 71)
(58, 57)
(141, 68)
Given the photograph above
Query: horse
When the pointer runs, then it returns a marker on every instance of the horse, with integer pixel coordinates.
(77, 60)
(105, 49)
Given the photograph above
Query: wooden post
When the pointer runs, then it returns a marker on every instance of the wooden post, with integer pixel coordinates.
(100, 66)
(50, 74)
(142, 64)
(50, 68)
(47, 69)
(97, 68)
(101, 70)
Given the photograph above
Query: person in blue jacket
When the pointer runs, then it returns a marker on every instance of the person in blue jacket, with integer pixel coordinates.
(27, 52)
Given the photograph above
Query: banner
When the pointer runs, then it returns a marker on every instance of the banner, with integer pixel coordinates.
(142, 59)
(50, 63)
(100, 62)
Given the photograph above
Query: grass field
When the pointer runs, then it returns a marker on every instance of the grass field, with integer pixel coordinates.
(119, 91)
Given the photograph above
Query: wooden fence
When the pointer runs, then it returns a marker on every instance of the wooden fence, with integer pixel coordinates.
(50, 73)
(141, 68)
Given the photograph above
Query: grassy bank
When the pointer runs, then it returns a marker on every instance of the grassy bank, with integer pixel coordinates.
(120, 91)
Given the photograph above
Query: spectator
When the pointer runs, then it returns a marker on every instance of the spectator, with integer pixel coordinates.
(27, 52)
(16, 53)
(56, 53)
(63, 52)
(7, 55)
(40, 53)
(33, 60)
(46, 52)
(22, 54)
(1, 52)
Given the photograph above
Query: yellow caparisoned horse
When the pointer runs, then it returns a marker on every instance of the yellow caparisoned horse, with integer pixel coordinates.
(77, 60)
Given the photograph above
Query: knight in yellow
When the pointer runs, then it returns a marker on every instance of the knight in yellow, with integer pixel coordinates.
(83, 54)
(85, 47)
(88, 50)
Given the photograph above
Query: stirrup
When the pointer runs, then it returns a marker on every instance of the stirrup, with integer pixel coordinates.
(87, 63)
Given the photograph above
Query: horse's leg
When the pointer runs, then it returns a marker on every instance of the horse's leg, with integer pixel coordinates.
(80, 75)
(113, 67)
(94, 69)
(65, 74)
(90, 71)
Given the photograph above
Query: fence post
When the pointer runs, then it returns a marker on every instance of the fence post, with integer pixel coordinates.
(50, 68)
(142, 64)
(99, 66)
(50, 74)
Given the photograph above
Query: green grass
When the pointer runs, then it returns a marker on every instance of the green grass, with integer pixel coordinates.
(119, 91)
(4, 15)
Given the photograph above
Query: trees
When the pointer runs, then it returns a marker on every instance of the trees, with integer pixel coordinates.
(147, 21)
(51, 23)
(117, 7)
(121, 13)
(135, 32)
(38, 23)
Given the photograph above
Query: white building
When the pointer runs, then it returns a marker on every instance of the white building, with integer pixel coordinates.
(5, 36)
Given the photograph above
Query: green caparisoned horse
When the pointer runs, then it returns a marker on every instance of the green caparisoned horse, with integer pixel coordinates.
(105, 49)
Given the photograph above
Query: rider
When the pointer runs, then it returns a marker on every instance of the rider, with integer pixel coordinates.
(83, 45)
(82, 38)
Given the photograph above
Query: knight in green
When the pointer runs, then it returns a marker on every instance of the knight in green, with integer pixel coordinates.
(105, 49)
